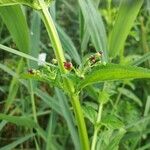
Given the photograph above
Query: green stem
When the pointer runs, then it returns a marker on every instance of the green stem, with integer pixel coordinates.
(51, 29)
(52, 32)
(33, 101)
(97, 127)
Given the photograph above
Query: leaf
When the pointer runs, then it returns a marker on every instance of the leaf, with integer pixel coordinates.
(115, 139)
(17, 27)
(13, 51)
(35, 37)
(109, 139)
(124, 22)
(14, 86)
(111, 72)
(90, 113)
(103, 97)
(50, 101)
(112, 122)
(65, 109)
(32, 3)
(144, 57)
(17, 142)
(94, 24)
(68, 45)
(147, 106)
(21, 121)
(51, 127)
(130, 95)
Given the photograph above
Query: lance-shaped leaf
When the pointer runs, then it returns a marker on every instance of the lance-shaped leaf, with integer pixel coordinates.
(21, 121)
(32, 3)
(15, 20)
(111, 72)
(127, 14)
(95, 25)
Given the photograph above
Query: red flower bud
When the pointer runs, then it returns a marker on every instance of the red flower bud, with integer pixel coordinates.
(68, 65)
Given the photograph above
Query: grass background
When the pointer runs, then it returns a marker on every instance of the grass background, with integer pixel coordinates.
(84, 27)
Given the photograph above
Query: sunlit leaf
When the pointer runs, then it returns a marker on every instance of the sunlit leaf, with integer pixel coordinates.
(111, 72)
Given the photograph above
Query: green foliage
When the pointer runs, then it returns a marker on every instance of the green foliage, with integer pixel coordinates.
(21, 35)
(95, 26)
(21, 121)
(111, 72)
(126, 16)
(32, 3)
(96, 102)
(17, 142)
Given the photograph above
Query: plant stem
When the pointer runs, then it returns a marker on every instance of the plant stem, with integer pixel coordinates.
(52, 32)
(97, 127)
(80, 122)
(33, 101)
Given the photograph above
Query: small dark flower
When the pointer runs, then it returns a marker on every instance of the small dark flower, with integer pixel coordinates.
(30, 71)
(92, 58)
(101, 52)
(68, 65)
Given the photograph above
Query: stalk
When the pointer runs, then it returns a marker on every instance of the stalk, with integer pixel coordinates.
(52, 32)
(97, 127)
(33, 101)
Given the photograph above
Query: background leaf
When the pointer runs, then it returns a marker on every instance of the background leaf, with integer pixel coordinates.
(124, 22)
(17, 27)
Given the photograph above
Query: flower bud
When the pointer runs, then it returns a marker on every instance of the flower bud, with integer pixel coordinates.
(68, 65)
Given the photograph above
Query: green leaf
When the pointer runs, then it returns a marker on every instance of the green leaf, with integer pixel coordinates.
(17, 27)
(21, 54)
(90, 113)
(21, 121)
(14, 86)
(115, 139)
(112, 122)
(50, 101)
(32, 3)
(65, 109)
(17, 142)
(130, 95)
(103, 97)
(94, 24)
(124, 22)
(111, 72)
(35, 37)
(68, 45)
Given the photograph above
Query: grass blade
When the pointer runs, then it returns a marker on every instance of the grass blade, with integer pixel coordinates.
(35, 37)
(68, 116)
(94, 25)
(21, 54)
(21, 121)
(13, 87)
(68, 45)
(124, 22)
(17, 142)
(17, 28)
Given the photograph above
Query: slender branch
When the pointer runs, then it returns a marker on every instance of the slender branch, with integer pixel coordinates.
(97, 127)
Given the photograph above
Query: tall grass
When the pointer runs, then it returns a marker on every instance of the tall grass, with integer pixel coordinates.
(85, 96)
